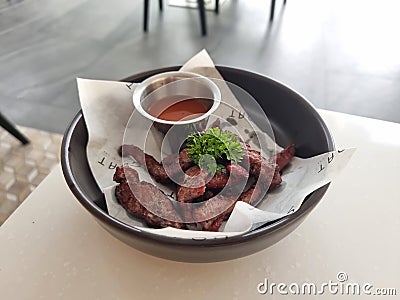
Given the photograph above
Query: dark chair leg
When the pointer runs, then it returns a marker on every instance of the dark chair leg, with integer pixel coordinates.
(160, 2)
(202, 12)
(217, 7)
(146, 15)
(271, 13)
(7, 125)
(284, 2)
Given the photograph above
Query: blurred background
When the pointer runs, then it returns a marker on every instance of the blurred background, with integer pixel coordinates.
(342, 55)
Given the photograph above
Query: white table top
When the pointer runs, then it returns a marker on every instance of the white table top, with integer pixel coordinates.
(51, 248)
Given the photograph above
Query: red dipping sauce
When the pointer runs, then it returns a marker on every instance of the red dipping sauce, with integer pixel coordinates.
(179, 108)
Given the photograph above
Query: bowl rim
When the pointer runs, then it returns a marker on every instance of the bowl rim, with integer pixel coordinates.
(311, 201)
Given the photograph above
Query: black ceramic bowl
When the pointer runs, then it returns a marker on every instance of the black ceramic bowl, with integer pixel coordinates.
(293, 119)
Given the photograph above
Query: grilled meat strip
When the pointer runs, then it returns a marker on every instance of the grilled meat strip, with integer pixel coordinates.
(155, 169)
(125, 174)
(236, 174)
(219, 180)
(215, 223)
(283, 158)
(159, 205)
(194, 185)
(258, 165)
(263, 170)
(258, 190)
(238, 177)
(177, 163)
(207, 211)
(255, 192)
(193, 189)
(237, 171)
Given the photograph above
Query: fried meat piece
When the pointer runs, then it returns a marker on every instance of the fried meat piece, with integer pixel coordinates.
(255, 192)
(262, 169)
(268, 178)
(150, 196)
(276, 179)
(206, 211)
(218, 181)
(178, 163)
(283, 158)
(253, 195)
(255, 160)
(235, 175)
(193, 190)
(213, 224)
(259, 167)
(237, 171)
(194, 185)
(247, 195)
(125, 174)
(155, 169)
(238, 176)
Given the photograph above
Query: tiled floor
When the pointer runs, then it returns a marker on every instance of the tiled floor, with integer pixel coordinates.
(22, 168)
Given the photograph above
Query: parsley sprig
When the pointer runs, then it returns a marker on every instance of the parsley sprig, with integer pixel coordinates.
(221, 145)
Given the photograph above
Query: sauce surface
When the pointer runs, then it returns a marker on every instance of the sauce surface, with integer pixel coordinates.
(178, 108)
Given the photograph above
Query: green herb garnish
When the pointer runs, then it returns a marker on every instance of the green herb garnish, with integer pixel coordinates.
(215, 144)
